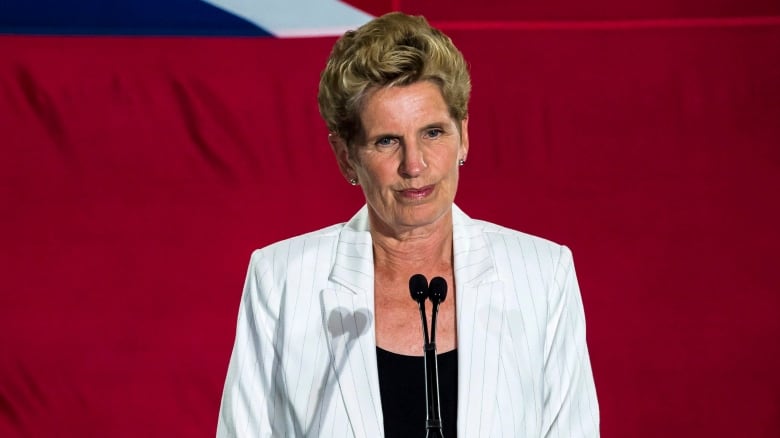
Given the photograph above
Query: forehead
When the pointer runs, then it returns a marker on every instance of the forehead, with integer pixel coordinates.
(391, 107)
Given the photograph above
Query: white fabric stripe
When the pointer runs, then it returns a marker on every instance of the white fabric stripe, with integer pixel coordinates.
(297, 18)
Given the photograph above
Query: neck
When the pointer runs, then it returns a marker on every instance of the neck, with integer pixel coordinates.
(426, 249)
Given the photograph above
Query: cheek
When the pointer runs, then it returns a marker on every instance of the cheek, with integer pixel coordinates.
(377, 173)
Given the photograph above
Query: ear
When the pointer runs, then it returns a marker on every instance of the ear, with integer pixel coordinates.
(341, 151)
(463, 152)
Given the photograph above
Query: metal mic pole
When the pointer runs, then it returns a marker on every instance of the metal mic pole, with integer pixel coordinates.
(437, 292)
(433, 414)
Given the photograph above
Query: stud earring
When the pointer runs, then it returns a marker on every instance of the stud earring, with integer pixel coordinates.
(353, 181)
(461, 162)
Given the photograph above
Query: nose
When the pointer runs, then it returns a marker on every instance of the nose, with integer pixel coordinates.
(412, 161)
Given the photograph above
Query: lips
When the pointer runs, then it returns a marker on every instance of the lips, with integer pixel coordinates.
(414, 194)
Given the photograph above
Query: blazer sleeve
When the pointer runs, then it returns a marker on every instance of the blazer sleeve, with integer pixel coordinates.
(570, 406)
(248, 403)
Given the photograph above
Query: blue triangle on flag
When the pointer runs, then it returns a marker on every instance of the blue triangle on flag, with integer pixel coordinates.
(121, 17)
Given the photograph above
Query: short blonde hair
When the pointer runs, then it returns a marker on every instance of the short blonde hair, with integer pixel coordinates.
(392, 50)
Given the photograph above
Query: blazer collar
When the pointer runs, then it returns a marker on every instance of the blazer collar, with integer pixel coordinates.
(473, 262)
(353, 267)
(354, 260)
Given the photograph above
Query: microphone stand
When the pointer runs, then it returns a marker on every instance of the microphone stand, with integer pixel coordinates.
(436, 293)
(433, 413)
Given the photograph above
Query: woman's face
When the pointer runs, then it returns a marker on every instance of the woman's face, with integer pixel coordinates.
(407, 161)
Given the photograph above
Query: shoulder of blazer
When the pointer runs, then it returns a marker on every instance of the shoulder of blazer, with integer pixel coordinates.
(299, 255)
(289, 257)
(499, 236)
(312, 240)
(300, 243)
(517, 254)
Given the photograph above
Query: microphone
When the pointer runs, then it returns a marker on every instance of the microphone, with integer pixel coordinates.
(418, 288)
(436, 292)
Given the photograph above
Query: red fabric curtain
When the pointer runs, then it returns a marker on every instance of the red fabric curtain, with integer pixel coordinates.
(137, 174)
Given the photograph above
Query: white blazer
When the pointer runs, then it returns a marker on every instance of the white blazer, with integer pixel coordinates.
(304, 359)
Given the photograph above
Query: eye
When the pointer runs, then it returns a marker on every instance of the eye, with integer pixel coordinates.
(434, 133)
(385, 141)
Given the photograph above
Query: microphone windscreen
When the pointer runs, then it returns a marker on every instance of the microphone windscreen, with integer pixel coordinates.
(418, 287)
(437, 291)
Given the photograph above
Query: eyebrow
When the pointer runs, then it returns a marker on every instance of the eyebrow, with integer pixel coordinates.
(434, 125)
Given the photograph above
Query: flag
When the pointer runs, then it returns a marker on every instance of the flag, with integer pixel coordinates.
(297, 18)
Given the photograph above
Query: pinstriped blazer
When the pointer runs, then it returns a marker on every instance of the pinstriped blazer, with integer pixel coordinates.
(304, 359)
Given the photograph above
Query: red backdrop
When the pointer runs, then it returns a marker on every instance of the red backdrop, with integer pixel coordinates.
(137, 174)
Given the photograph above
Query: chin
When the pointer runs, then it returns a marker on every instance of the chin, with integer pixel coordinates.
(422, 215)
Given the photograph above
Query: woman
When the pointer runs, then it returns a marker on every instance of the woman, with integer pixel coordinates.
(326, 323)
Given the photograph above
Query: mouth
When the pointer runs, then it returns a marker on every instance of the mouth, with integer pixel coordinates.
(416, 193)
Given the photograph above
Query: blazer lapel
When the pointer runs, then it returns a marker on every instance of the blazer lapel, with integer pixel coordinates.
(480, 310)
(348, 312)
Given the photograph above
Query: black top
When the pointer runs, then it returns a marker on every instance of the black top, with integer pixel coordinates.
(402, 387)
